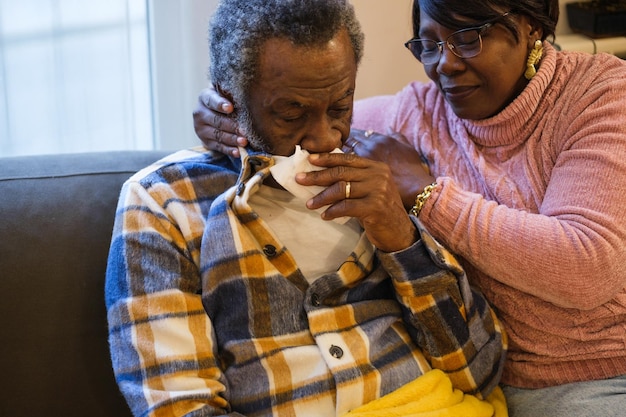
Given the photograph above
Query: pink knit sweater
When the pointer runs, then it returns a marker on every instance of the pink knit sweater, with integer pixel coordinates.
(534, 201)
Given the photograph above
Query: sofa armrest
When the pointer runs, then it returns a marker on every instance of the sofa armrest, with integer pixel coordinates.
(56, 218)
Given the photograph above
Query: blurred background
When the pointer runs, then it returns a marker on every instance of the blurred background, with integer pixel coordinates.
(99, 75)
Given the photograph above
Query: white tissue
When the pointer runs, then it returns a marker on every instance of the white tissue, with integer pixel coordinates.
(284, 172)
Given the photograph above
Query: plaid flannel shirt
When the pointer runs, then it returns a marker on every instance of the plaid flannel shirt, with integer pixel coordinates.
(209, 314)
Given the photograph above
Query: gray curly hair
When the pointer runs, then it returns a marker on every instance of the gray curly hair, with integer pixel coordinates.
(238, 27)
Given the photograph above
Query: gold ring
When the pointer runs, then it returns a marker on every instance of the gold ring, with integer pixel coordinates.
(348, 186)
(368, 133)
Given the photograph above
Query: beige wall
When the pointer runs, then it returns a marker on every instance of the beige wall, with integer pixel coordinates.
(387, 65)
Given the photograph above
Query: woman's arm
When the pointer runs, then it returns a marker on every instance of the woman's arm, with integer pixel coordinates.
(562, 241)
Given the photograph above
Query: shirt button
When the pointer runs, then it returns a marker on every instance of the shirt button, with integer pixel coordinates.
(336, 351)
(315, 300)
(269, 251)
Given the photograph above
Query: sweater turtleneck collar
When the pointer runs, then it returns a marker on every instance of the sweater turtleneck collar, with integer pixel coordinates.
(516, 122)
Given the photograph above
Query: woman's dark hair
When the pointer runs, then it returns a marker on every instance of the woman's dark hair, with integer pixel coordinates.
(454, 14)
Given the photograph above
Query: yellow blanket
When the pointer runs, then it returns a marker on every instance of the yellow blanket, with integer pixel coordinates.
(432, 395)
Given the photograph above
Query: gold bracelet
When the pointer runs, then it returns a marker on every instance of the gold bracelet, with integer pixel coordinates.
(421, 198)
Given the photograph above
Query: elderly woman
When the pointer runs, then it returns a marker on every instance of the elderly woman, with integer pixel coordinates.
(526, 154)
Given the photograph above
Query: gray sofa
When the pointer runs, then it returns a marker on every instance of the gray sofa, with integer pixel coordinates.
(56, 217)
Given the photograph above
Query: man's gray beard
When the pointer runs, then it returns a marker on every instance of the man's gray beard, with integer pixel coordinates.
(254, 139)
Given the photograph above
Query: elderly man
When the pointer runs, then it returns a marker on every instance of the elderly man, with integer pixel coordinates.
(229, 292)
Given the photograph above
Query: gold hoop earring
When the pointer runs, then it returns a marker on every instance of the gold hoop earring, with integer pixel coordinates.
(533, 59)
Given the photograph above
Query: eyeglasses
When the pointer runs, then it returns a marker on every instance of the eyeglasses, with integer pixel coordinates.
(464, 43)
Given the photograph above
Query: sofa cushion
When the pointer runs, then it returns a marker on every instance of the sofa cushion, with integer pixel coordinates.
(56, 218)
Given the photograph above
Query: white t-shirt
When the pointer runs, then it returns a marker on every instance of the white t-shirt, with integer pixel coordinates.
(318, 246)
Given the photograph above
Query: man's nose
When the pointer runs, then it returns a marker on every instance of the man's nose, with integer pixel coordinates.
(322, 136)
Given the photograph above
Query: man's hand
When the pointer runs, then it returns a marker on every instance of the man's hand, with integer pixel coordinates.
(364, 189)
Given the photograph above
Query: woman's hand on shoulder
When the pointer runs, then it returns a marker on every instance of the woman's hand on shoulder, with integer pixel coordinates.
(214, 124)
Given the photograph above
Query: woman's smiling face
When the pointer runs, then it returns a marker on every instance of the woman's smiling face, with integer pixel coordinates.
(480, 87)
